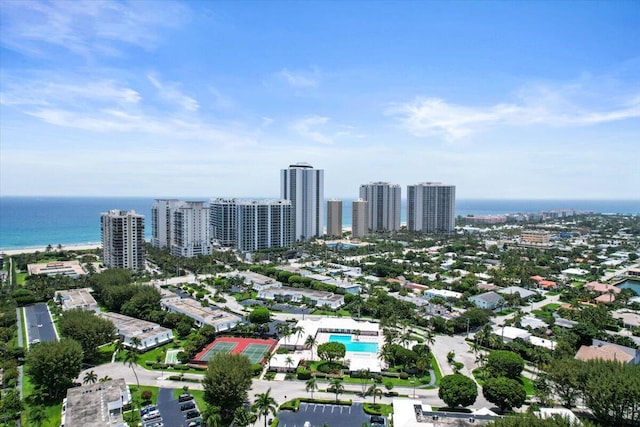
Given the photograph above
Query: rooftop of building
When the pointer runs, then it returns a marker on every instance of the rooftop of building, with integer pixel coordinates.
(130, 326)
(76, 298)
(97, 405)
(57, 267)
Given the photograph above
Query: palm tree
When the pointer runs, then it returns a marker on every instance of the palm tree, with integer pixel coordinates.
(310, 342)
(242, 418)
(37, 415)
(335, 384)
(211, 416)
(105, 379)
(311, 385)
(131, 359)
(374, 391)
(289, 362)
(135, 343)
(298, 331)
(90, 378)
(429, 336)
(265, 404)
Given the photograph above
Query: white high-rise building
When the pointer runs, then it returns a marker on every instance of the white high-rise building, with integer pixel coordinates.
(191, 230)
(122, 239)
(384, 205)
(334, 218)
(431, 207)
(162, 222)
(304, 186)
(263, 224)
(360, 218)
(223, 221)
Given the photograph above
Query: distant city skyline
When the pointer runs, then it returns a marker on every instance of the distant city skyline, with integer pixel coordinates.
(507, 100)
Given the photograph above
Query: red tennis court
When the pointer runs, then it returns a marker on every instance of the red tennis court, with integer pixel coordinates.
(254, 348)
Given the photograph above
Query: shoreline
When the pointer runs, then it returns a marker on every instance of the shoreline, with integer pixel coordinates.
(69, 247)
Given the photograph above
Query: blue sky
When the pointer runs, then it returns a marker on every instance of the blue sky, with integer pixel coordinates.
(502, 99)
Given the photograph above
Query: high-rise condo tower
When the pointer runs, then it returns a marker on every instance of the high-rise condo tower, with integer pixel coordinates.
(384, 205)
(304, 186)
(431, 207)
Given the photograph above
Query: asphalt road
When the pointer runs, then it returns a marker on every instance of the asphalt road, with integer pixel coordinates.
(169, 408)
(39, 324)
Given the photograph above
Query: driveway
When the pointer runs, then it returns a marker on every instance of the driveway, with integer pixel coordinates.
(169, 408)
(40, 326)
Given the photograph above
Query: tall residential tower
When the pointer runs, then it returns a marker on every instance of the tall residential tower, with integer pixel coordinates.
(431, 207)
(360, 218)
(122, 239)
(334, 218)
(191, 230)
(304, 186)
(384, 205)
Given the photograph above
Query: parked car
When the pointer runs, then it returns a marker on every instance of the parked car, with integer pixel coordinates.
(184, 397)
(187, 406)
(151, 415)
(192, 414)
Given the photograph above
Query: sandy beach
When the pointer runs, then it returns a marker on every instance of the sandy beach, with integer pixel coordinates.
(55, 248)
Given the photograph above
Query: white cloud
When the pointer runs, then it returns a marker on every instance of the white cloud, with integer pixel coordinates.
(307, 127)
(85, 27)
(300, 79)
(425, 117)
(53, 90)
(170, 93)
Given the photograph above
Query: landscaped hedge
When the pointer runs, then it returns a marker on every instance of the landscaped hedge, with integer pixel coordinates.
(303, 373)
(275, 422)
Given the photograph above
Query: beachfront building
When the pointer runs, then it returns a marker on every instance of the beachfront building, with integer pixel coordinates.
(334, 218)
(76, 299)
(263, 224)
(96, 405)
(223, 221)
(431, 207)
(122, 239)
(360, 218)
(57, 268)
(148, 334)
(304, 187)
(384, 205)
(191, 236)
(162, 222)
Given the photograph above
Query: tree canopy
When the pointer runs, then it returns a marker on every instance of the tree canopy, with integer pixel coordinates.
(259, 315)
(457, 390)
(504, 392)
(502, 363)
(54, 365)
(226, 383)
(89, 330)
(331, 351)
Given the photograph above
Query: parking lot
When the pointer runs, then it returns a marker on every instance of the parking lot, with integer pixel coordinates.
(318, 414)
(169, 411)
(39, 324)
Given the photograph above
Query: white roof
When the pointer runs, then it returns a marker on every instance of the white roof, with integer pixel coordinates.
(532, 322)
(511, 333)
(563, 412)
(404, 414)
(511, 290)
(371, 363)
(280, 360)
(541, 342)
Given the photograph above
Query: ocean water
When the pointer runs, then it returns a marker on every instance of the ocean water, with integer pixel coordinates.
(27, 222)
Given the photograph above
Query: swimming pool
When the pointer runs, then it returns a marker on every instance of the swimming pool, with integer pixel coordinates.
(355, 346)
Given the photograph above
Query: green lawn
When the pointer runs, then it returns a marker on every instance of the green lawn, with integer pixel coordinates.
(53, 411)
(338, 313)
(21, 278)
(551, 307)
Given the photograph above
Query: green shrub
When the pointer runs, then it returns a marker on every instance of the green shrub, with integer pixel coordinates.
(257, 369)
(275, 422)
(404, 376)
(303, 374)
(181, 367)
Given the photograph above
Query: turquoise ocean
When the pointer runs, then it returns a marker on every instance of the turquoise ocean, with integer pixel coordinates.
(27, 222)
